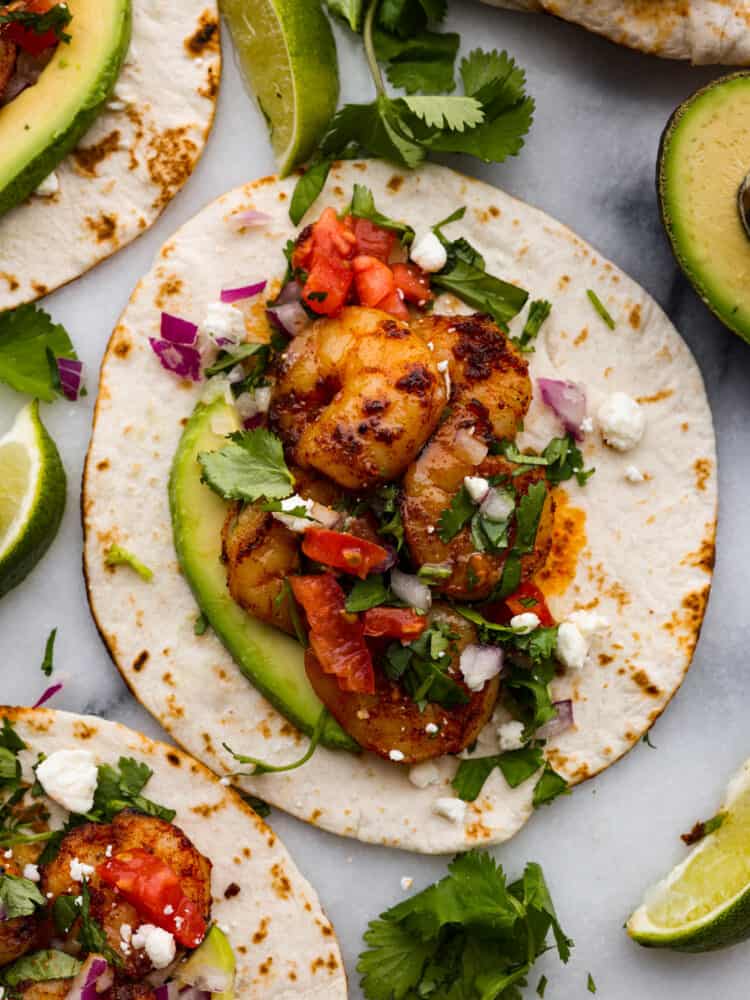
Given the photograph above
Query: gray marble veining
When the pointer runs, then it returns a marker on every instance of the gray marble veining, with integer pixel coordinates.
(589, 161)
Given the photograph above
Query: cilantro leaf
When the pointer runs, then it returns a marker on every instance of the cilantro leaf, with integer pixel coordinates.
(539, 310)
(484, 292)
(363, 207)
(64, 913)
(407, 17)
(259, 806)
(422, 667)
(481, 71)
(366, 594)
(550, 785)
(528, 513)
(517, 766)
(19, 897)
(40, 967)
(49, 652)
(351, 10)
(250, 466)
(27, 334)
(379, 129)
(307, 189)
(120, 788)
(590, 984)
(453, 518)
(562, 458)
(9, 738)
(393, 964)
(422, 62)
(91, 935)
(116, 555)
(454, 113)
(227, 359)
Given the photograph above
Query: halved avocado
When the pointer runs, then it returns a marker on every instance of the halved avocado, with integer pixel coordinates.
(703, 159)
(271, 660)
(44, 123)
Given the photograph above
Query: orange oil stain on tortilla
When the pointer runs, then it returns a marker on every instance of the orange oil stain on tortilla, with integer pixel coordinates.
(88, 158)
(210, 88)
(705, 557)
(11, 279)
(582, 336)
(172, 155)
(702, 468)
(685, 624)
(104, 226)
(635, 317)
(396, 183)
(205, 38)
(569, 539)
(657, 397)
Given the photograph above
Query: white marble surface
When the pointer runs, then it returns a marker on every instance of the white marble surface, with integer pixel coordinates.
(589, 161)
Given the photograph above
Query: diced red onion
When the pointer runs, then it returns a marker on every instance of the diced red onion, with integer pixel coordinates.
(562, 721)
(167, 991)
(497, 505)
(251, 219)
(291, 292)
(244, 292)
(480, 664)
(84, 985)
(469, 448)
(51, 691)
(178, 331)
(179, 359)
(325, 515)
(70, 371)
(411, 590)
(289, 317)
(389, 562)
(567, 400)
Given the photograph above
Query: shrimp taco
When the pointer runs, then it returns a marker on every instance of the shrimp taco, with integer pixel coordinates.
(105, 107)
(704, 31)
(427, 481)
(128, 872)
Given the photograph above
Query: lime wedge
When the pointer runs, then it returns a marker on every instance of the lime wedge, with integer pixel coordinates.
(704, 903)
(287, 56)
(211, 966)
(32, 496)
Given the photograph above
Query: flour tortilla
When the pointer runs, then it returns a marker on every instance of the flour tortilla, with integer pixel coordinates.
(132, 161)
(706, 32)
(646, 560)
(283, 943)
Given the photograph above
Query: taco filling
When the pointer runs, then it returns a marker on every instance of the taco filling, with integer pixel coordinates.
(30, 32)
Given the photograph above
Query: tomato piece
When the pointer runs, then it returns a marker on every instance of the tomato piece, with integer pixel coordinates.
(344, 551)
(153, 887)
(374, 280)
(336, 637)
(413, 282)
(529, 598)
(394, 623)
(372, 240)
(395, 305)
(325, 254)
(27, 38)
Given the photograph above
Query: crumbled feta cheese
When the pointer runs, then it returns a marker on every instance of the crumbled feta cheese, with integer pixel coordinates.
(634, 475)
(108, 851)
(69, 777)
(396, 755)
(158, 944)
(406, 883)
(431, 728)
(424, 775)
(168, 910)
(587, 425)
(223, 321)
(126, 932)
(479, 664)
(525, 622)
(31, 872)
(477, 487)
(79, 870)
(450, 809)
(121, 93)
(430, 345)
(49, 186)
(431, 529)
(510, 735)
(429, 253)
(443, 368)
(362, 713)
(78, 901)
(8, 853)
(571, 647)
(621, 421)
(588, 623)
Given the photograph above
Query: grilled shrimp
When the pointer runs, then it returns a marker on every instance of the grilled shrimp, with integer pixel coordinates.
(92, 842)
(19, 935)
(490, 394)
(53, 989)
(391, 720)
(357, 397)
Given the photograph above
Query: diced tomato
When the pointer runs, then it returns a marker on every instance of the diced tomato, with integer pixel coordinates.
(395, 623)
(395, 305)
(413, 282)
(529, 598)
(372, 240)
(343, 551)
(27, 38)
(153, 887)
(336, 637)
(325, 254)
(376, 287)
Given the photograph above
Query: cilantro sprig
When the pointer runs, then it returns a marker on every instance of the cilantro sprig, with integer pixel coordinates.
(56, 19)
(422, 666)
(249, 467)
(30, 344)
(19, 897)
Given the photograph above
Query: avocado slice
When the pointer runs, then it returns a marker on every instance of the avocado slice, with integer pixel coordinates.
(211, 963)
(272, 661)
(44, 123)
(703, 159)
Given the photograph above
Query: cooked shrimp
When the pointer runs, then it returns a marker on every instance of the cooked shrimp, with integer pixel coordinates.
(391, 720)
(357, 397)
(19, 935)
(91, 844)
(490, 394)
(53, 989)
(8, 51)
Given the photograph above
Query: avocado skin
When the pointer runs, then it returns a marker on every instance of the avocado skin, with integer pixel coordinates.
(32, 175)
(233, 626)
(673, 123)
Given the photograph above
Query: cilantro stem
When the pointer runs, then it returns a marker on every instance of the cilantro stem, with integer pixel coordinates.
(372, 59)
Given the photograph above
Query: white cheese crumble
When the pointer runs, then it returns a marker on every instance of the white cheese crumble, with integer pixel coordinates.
(108, 851)
(396, 755)
(423, 775)
(158, 944)
(450, 809)
(168, 910)
(250, 404)
(477, 487)
(525, 622)
(8, 853)
(634, 475)
(510, 735)
(406, 883)
(479, 664)
(49, 186)
(588, 623)
(296, 523)
(587, 425)
(442, 367)
(621, 421)
(432, 728)
(429, 253)
(223, 321)
(126, 932)
(31, 872)
(79, 870)
(69, 777)
(571, 647)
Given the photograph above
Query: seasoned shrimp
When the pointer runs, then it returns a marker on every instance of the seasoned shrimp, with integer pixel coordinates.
(53, 989)
(490, 394)
(357, 397)
(92, 843)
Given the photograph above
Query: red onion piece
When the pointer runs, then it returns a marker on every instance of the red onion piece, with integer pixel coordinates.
(562, 721)
(251, 219)
(497, 506)
(567, 400)
(179, 359)
(324, 515)
(193, 993)
(84, 986)
(51, 691)
(291, 292)
(178, 331)
(389, 562)
(411, 590)
(469, 448)
(244, 292)
(290, 318)
(70, 371)
(167, 991)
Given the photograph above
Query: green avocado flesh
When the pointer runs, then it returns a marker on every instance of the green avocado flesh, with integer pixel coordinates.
(272, 661)
(704, 157)
(44, 123)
